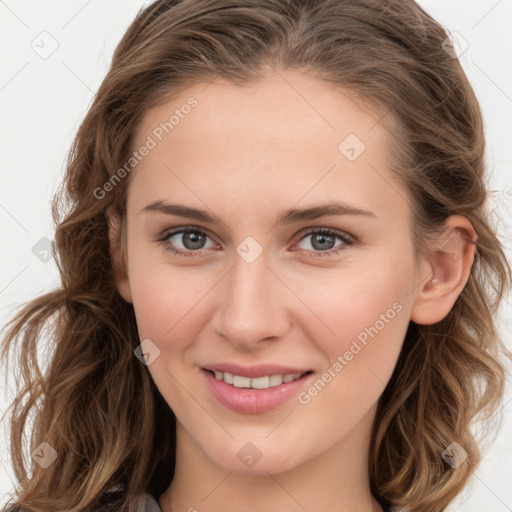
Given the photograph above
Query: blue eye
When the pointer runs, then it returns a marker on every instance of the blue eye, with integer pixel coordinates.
(192, 239)
(322, 240)
(194, 242)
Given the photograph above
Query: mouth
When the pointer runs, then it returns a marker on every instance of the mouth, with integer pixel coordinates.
(264, 382)
(255, 395)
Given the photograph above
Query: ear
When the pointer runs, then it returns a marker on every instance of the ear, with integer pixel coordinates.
(451, 256)
(118, 255)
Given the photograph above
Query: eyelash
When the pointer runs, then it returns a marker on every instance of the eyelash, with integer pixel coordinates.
(348, 240)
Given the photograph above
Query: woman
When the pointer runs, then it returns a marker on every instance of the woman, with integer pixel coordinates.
(275, 263)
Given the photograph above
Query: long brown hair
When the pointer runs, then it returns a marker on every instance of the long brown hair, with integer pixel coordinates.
(96, 404)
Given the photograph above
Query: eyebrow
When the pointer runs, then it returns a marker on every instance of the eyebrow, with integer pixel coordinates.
(287, 217)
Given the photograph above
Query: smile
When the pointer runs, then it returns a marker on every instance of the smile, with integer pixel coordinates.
(254, 395)
(265, 382)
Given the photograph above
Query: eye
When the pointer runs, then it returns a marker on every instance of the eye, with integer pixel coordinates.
(193, 241)
(322, 242)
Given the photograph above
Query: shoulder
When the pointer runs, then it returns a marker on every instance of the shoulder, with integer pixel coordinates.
(146, 502)
(149, 504)
(10, 507)
(109, 503)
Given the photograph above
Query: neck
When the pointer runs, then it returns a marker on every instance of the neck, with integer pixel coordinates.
(335, 480)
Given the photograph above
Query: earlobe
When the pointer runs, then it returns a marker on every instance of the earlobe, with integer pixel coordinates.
(118, 256)
(448, 269)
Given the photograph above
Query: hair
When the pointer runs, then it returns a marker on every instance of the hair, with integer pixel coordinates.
(450, 375)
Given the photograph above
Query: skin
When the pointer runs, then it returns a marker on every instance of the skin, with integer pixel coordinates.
(246, 155)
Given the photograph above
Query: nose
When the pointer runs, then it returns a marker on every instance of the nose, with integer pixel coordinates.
(253, 304)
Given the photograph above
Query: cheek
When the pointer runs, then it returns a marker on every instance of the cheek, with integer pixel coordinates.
(350, 301)
(170, 313)
(360, 357)
(361, 317)
(167, 300)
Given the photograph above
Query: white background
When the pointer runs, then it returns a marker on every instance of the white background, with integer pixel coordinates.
(42, 102)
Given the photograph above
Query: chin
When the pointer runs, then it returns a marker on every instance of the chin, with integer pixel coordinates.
(244, 457)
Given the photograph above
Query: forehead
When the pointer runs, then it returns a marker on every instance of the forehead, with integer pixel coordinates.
(288, 134)
(267, 110)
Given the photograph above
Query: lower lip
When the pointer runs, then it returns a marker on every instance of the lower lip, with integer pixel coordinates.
(254, 401)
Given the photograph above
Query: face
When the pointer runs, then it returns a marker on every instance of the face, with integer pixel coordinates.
(252, 281)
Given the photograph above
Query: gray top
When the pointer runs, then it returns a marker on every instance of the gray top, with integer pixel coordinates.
(149, 504)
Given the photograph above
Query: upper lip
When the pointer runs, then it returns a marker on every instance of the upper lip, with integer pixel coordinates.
(260, 370)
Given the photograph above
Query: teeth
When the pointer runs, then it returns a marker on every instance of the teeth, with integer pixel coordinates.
(241, 382)
(229, 378)
(269, 381)
(260, 382)
(275, 380)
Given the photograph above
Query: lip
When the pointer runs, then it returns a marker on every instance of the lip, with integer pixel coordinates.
(254, 401)
(260, 370)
